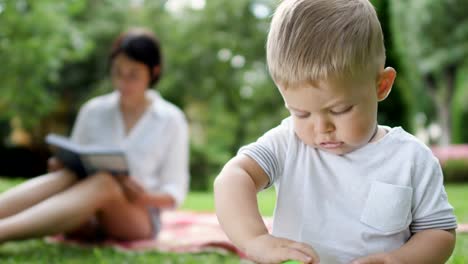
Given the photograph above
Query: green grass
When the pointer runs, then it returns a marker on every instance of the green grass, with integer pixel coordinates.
(37, 251)
(203, 202)
(458, 197)
(457, 194)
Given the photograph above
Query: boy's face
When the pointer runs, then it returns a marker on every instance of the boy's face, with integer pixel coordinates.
(336, 116)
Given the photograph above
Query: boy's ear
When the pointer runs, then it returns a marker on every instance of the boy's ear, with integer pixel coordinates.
(385, 83)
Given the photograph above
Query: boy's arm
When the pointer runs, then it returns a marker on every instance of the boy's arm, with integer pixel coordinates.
(431, 246)
(235, 191)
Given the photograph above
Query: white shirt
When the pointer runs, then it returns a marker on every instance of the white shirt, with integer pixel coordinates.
(349, 206)
(156, 147)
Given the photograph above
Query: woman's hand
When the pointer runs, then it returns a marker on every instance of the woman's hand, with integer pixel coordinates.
(132, 189)
(54, 164)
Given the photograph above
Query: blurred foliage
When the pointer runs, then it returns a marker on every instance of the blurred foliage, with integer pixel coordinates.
(55, 57)
(397, 109)
(433, 46)
(455, 170)
(217, 71)
(37, 38)
(460, 107)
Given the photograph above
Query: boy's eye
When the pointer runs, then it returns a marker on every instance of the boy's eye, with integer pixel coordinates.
(301, 114)
(339, 111)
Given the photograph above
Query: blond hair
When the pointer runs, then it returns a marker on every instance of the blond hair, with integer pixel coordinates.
(313, 40)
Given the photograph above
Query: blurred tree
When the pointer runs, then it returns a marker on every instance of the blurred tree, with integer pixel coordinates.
(217, 63)
(216, 69)
(214, 66)
(102, 22)
(397, 109)
(460, 107)
(432, 37)
(36, 39)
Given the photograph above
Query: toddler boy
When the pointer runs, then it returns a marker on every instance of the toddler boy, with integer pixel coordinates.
(348, 190)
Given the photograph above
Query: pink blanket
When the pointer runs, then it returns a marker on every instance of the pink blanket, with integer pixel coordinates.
(185, 232)
(462, 228)
(182, 231)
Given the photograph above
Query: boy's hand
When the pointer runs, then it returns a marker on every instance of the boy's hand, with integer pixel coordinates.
(269, 249)
(381, 258)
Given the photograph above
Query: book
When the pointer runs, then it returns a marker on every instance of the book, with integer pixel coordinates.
(89, 159)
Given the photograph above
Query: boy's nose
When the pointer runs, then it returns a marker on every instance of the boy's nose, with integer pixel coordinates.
(323, 125)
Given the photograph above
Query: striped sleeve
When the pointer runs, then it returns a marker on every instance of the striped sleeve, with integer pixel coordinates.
(431, 208)
(269, 151)
(265, 158)
(445, 223)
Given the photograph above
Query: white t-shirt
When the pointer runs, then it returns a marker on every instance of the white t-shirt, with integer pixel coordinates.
(156, 147)
(368, 201)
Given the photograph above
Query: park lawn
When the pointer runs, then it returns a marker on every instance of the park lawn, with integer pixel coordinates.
(36, 251)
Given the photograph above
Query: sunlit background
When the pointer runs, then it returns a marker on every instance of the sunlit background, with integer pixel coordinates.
(53, 57)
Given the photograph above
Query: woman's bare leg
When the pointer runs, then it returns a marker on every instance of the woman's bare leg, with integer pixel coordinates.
(34, 191)
(89, 231)
(64, 211)
(119, 219)
(123, 220)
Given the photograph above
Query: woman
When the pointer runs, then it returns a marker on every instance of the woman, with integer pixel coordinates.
(153, 133)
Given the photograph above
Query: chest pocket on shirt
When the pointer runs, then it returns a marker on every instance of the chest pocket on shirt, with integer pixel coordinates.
(388, 207)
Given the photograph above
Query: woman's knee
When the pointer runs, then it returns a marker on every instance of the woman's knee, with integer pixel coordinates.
(106, 185)
(69, 177)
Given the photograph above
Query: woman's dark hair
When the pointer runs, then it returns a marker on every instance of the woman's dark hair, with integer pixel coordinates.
(140, 45)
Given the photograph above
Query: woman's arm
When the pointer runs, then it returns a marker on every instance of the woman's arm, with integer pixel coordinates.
(137, 194)
(172, 178)
(159, 200)
(174, 173)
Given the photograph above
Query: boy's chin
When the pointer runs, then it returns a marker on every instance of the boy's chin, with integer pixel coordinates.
(343, 150)
(336, 152)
